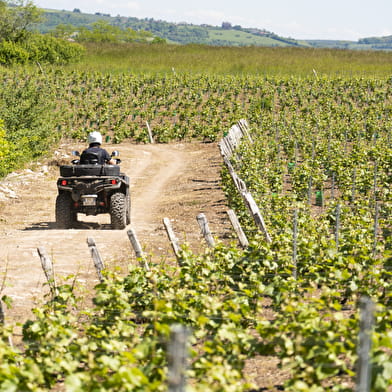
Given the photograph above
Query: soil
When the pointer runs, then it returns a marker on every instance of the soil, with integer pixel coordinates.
(177, 181)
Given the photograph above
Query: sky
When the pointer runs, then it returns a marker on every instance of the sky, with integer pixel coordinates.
(300, 19)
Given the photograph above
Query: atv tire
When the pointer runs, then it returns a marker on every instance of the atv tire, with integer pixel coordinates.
(65, 216)
(118, 211)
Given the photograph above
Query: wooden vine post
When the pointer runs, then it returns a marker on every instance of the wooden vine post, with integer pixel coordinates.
(238, 229)
(364, 369)
(337, 225)
(353, 188)
(137, 248)
(244, 126)
(227, 147)
(205, 230)
(2, 314)
(239, 184)
(375, 180)
(375, 228)
(47, 266)
(333, 186)
(149, 133)
(257, 217)
(177, 357)
(310, 183)
(2, 321)
(295, 242)
(172, 237)
(98, 262)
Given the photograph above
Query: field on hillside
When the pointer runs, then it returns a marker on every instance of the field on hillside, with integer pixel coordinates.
(275, 315)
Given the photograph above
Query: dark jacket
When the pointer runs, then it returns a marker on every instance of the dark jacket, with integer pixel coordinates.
(94, 154)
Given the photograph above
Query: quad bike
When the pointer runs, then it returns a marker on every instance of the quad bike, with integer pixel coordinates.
(92, 189)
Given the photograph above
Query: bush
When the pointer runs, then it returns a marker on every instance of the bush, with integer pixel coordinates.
(53, 50)
(5, 151)
(27, 110)
(12, 53)
(41, 48)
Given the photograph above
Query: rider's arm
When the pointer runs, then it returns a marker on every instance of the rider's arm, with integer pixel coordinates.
(109, 160)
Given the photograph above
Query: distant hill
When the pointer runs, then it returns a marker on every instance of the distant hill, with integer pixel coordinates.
(185, 33)
(382, 43)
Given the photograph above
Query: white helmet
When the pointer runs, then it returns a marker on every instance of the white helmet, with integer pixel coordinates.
(94, 137)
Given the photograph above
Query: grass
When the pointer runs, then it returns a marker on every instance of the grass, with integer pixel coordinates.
(142, 58)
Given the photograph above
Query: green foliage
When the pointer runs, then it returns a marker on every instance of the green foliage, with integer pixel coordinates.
(27, 111)
(19, 45)
(308, 133)
(64, 31)
(51, 50)
(102, 31)
(223, 295)
(16, 19)
(6, 151)
(12, 53)
(312, 341)
(182, 106)
(40, 48)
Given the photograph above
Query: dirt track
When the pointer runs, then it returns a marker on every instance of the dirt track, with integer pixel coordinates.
(177, 181)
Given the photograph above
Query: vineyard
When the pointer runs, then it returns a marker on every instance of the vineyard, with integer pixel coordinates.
(319, 167)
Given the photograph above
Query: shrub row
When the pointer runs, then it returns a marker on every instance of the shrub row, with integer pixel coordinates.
(39, 48)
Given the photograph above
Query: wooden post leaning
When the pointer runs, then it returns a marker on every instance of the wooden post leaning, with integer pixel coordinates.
(240, 185)
(227, 146)
(248, 199)
(172, 237)
(257, 217)
(98, 262)
(244, 126)
(47, 266)
(137, 248)
(149, 133)
(238, 229)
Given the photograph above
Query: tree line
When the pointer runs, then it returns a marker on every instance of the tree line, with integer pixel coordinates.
(19, 44)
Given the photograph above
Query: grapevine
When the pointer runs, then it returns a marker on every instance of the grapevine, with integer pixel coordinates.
(329, 136)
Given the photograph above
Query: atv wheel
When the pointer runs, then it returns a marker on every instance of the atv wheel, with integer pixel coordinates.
(65, 216)
(118, 211)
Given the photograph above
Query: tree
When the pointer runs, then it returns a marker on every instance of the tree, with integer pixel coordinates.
(64, 31)
(101, 32)
(17, 18)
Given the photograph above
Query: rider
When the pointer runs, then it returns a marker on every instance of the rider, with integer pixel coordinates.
(95, 141)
